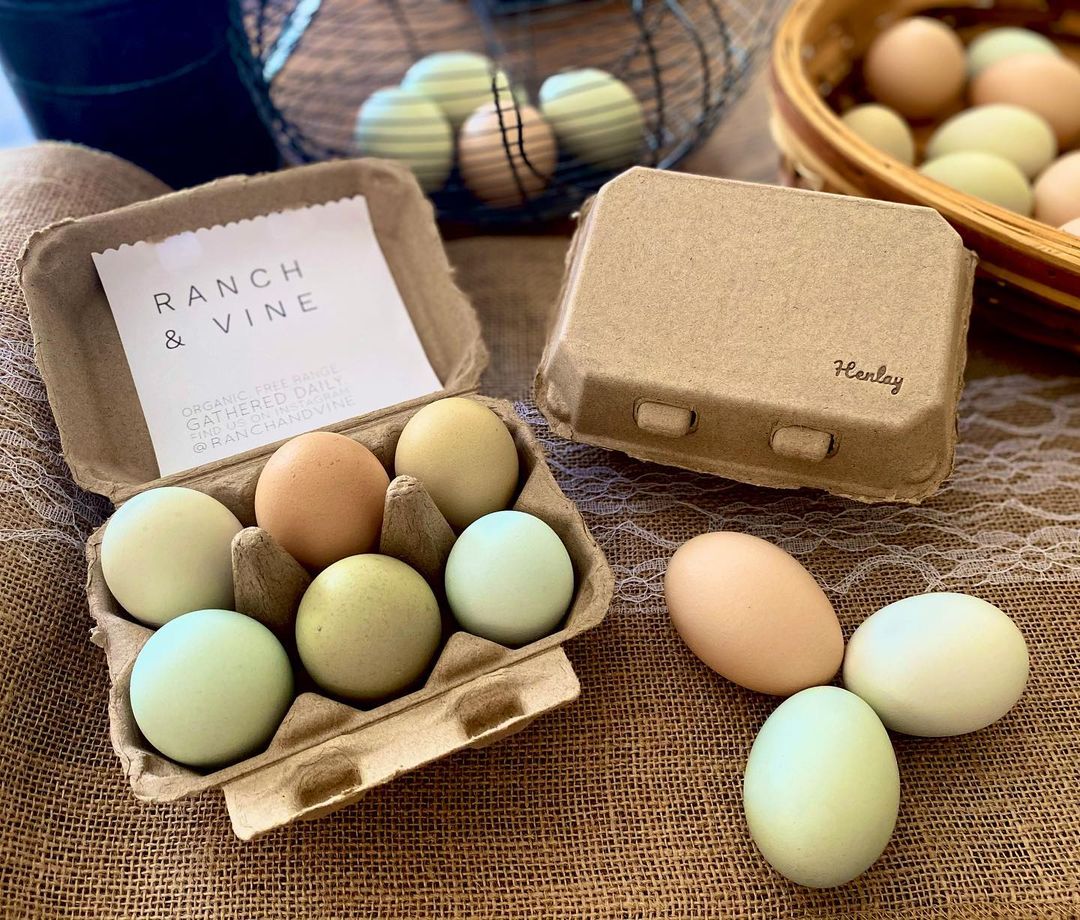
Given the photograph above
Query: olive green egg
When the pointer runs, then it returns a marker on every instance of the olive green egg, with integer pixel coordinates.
(211, 687)
(367, 627)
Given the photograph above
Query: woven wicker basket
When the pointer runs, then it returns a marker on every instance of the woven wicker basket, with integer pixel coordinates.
(1029, 278)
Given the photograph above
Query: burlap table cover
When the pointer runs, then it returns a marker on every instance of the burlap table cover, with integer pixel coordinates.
(625, 804)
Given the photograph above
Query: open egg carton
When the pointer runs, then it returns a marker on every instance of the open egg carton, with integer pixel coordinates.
(311, 65)
(326, 753)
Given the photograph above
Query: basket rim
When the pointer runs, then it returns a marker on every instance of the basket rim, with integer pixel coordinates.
(791, 85)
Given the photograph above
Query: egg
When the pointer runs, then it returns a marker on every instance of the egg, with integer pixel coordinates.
(210, 687)
(1048, 85)
(916, 66)
(821, 790)
(367, 627)
(509, 578)
(464, 456)
(321, 497)
(1073, 227)
(506, 156)
(882, 128)
(399, 124)
(984, 175)
(595, 116)
(997, 44)
(937, 664)
(1018, 135)
(168, 551)
(752, 613)
(1057, 191)
(458, 82)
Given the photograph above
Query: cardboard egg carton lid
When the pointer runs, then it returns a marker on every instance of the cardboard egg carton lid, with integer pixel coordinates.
(778, 337)
(78, 349)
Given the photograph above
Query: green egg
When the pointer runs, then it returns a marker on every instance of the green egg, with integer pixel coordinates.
(211, 687)
(509, 578)
(400, 124)
(595, 116)
(367, 627)
(997, 44)
(822, 789)
(458, 82)
(983, 175)
(1019, 135)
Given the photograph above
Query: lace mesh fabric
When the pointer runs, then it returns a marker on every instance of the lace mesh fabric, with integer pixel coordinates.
(625, 804)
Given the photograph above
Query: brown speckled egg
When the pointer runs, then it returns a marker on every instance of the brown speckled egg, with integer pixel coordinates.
(492, 168)
(752, 613)
(321, 497)
(1046, 84)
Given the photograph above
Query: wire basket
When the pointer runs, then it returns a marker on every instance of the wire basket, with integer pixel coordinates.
(312, 64)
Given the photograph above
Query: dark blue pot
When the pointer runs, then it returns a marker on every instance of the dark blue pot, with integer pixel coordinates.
(150, 80)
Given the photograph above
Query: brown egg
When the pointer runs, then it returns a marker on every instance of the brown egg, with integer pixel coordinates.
(493, 164)
(1048, 85)
(1057, 191)
(321, 497)
(917, 66)
(752, 613)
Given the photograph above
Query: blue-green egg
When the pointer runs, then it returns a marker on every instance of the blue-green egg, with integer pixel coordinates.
(509, 578)
(211, 687)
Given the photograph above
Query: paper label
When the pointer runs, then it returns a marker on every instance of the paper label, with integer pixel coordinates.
(241, 335)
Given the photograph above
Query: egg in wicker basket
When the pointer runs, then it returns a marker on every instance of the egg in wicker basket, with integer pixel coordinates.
(1029, 277)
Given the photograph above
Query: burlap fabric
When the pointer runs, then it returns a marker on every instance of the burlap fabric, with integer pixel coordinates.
(626, 804)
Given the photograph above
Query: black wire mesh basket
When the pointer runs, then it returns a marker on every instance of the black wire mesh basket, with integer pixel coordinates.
(507, 110)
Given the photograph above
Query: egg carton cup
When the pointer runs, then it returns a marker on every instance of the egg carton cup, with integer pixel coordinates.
(327, 752)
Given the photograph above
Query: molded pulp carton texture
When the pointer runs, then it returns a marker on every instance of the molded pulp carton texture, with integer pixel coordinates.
(778, 337)
(326, 753)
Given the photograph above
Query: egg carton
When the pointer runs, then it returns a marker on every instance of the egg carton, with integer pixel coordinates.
(326, 753)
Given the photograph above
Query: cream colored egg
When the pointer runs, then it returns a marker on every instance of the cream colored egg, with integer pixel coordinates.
(884, 129)
(997, 44)
(821, 790)
(1057, 191)
(1049, 85)
(937, 664)
(983, 175)
(1073, 227)
(507, 156)
(400, 124)
(596, 116)
(458, 82)
(464, 456)
(916, 66)
(167, 552)
(1017, 134)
